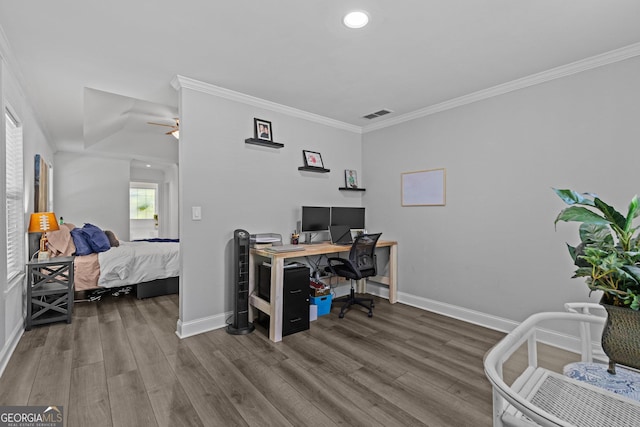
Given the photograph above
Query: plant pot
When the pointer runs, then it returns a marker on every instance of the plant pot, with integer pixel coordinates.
(621, 336)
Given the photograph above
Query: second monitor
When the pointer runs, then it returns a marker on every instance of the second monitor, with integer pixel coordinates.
(351, 216)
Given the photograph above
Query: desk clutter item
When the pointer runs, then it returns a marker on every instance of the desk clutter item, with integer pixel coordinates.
(323, 303)
(261, 240)
(318, 289)
(284, 248)
(313, 312)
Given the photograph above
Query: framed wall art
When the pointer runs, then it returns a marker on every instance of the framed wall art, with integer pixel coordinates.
(42, 191)
(350, 178)
(312, 159)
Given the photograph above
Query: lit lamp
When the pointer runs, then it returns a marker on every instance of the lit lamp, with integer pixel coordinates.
(41, 222)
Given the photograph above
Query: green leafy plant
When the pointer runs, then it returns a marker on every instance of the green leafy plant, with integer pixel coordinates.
(608, 255)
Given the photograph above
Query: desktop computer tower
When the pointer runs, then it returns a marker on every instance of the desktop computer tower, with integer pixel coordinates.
(295, 301)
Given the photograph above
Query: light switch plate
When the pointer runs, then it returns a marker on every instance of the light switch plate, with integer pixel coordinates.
(196, 213)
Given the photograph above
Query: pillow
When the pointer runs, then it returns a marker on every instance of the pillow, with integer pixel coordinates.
(98, 240)
(113, 240)
(81, 242)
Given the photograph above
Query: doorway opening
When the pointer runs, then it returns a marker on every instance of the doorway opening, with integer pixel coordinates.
(143, 210)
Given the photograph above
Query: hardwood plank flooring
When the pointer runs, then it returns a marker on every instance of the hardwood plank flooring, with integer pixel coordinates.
(120, 363)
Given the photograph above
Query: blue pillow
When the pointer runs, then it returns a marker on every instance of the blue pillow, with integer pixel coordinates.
(81, 242)
(97, 238)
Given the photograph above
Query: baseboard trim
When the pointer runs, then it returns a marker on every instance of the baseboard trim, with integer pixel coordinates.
(547, 336)
(202, 325)
(10, 347)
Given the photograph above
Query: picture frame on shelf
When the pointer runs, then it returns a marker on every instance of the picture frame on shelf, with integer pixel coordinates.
(263, 130)
(312, 159)
(350, 178)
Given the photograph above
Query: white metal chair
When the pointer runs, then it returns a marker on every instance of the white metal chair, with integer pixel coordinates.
(542, 397)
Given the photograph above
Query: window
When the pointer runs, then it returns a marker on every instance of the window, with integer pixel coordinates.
(142, 200)
(15, 197)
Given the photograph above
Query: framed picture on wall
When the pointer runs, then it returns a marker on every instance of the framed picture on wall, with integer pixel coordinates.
(41, 185)
(350, 178)
(262, 130)
(312, 159)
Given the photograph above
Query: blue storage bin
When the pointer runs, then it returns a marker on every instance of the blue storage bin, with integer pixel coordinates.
(323, 303)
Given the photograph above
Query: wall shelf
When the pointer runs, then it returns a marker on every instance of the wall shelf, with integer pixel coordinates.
(351, 189)
(263, 143)
(313, 169)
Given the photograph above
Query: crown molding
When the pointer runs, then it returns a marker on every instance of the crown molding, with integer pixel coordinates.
(179, 82)
(607, 58)
(596, 61)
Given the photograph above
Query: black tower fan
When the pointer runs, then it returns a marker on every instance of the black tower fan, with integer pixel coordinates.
(241, 324)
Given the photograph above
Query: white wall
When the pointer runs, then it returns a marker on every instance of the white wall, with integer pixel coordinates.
(94, 190)
(245, 186)
(493, 249)
(12, 308)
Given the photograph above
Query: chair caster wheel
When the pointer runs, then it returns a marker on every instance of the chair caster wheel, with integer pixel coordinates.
(341, 315)
(370, 314)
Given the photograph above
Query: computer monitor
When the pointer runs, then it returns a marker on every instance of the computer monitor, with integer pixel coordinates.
(315, 218)
(351, 216)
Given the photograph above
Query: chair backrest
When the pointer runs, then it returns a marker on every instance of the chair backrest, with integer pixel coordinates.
(363, 255)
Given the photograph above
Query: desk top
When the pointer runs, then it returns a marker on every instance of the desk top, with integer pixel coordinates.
(316, 249)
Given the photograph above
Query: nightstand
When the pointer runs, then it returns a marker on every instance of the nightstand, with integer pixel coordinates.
(49, 291)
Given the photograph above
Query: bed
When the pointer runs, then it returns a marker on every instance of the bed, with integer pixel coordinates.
(102, 262)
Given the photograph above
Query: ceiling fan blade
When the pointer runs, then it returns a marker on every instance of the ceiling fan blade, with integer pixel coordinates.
(161, 124)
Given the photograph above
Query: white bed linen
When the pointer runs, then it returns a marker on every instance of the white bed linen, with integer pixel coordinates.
(137, 262)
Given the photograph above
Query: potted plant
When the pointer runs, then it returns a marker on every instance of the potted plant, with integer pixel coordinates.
(608, 256)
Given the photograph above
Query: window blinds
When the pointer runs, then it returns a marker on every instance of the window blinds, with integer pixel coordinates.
(15, 197)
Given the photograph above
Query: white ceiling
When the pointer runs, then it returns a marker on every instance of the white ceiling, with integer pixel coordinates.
(74, 55)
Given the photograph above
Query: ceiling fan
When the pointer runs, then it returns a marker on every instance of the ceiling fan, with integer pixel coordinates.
(175, 129)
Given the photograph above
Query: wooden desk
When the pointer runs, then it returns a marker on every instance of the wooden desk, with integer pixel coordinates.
(274, 308)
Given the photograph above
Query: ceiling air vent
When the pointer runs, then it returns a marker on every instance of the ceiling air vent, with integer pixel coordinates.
(377, 114)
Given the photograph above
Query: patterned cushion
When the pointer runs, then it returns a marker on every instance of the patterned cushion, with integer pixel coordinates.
(625, 382)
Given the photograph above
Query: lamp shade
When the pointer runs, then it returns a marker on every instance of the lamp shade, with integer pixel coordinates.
(41, 222)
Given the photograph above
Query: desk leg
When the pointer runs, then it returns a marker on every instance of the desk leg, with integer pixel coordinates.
(393, 274)
(252, 284)
(277, 285)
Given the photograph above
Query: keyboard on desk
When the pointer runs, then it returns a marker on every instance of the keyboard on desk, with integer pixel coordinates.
(284, 248)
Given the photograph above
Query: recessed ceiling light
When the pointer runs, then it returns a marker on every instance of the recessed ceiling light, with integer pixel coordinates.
(148, 166)
(356, 19)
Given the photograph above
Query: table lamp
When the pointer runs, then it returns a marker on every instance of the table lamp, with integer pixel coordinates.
(41, 222)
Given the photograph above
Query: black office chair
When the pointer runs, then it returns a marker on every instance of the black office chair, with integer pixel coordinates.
(361, 264)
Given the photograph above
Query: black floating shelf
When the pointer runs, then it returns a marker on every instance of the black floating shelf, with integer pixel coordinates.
(313, 169)
(352, 189)
(263, 143)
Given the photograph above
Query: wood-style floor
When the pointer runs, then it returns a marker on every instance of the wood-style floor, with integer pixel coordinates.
(120, 363)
